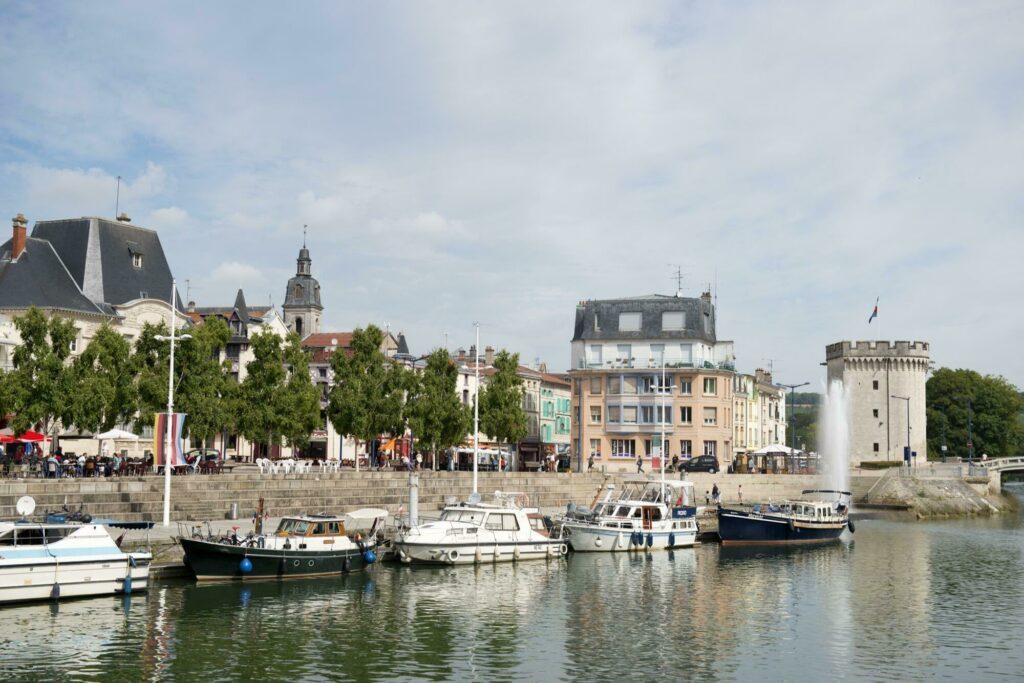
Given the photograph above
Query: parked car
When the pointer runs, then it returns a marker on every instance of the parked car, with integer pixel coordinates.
(702, 463)
(197, 455)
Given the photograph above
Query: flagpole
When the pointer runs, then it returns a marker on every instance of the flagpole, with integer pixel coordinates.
(167, 424)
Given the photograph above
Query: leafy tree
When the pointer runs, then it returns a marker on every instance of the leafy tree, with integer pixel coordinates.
(203, 385)
(104, 383)
(299, 403)
(501, 402)
(367, 398)
(258, 415)
(150, 363)
(39, 388)
(436, 415)
(995, 406)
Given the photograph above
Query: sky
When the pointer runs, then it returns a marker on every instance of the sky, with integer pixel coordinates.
(497, 163)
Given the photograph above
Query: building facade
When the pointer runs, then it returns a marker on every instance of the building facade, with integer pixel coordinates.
(882, 382)
(645, 366)
(759, 410)
(302, 307)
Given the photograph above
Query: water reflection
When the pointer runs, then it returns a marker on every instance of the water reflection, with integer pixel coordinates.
(902, 601)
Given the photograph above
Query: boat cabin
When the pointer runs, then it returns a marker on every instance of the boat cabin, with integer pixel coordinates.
(32, 534)
(311, 526)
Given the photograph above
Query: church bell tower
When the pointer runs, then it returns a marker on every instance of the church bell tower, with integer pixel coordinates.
(302, 308)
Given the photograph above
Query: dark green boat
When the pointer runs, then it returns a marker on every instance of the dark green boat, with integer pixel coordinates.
(308, 545)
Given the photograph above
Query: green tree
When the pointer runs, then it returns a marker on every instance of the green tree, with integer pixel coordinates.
(39, 388)
(300, 400)
(436, 415)
(257, 414)
(995, 410)
(501, 402)
(367, 398)
(203, 385)
(104, 381)
(150, 363)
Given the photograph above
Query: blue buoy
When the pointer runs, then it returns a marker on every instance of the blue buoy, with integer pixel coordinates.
(128, 585)
(650, 540)
(369, 557)
(671, 540)
(245, 565)
(633, 538)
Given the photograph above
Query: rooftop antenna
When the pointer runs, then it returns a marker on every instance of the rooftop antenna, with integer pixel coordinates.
(117, 198)
(678, 277)
(771, 365)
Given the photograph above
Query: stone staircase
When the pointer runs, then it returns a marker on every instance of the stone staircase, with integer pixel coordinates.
(201, 497)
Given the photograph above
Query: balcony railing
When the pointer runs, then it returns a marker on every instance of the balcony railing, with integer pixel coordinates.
(652, 364)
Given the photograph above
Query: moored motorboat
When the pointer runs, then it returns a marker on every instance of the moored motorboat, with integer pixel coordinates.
(301, 546)
(791, 521)
(40, 561)
(467, 533)
(652, 514)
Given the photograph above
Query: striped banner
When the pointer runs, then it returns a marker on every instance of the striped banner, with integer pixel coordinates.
(160, 435)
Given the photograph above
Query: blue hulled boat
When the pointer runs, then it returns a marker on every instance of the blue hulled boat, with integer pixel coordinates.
(798, 521)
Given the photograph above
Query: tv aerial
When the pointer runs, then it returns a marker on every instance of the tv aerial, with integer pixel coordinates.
(25, 506)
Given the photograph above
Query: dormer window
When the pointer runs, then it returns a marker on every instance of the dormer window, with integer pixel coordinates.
(298, 292)
(629, 322)
(136, 260)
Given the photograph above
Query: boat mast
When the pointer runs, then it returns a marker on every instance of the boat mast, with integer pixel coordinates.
(662, 420)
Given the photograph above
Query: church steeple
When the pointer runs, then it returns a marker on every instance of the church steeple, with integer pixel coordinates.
(302, 307)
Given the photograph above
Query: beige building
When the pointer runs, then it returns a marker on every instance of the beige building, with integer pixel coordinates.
(645, 366)
(759, 410)
(882, 381)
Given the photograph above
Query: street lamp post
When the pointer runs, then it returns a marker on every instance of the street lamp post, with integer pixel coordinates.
(970, 437)
(792, 407)
(907, 399)
(170, 407)
(476, 411)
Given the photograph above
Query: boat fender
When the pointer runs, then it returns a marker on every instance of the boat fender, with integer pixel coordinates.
(369, 557)
(287, 545)
(55, 592)
(792, 525)
(128, 585)
(671, 540)
(516, 553)
(497, 553)
(563, 550)
(345, 566)
(619, 539)
(245, 566)
(597, 543)
(632, 539)
(478, 556)
(453, 555)
(849, 525)
(650, 540)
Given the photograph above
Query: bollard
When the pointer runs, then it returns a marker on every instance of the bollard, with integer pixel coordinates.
(233, 512)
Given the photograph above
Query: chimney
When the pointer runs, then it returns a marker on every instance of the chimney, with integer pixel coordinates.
(124, 218)
(706, 297)
(489, 355)
(473, 353)
(462, 354)
(18, 241)
(191, 306)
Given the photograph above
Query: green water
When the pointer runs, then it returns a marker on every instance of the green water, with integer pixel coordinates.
(898, 601)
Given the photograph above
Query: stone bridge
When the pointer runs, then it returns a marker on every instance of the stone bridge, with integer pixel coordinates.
(1013, 464)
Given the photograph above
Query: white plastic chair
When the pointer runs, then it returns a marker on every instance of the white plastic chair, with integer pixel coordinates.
(260, 464)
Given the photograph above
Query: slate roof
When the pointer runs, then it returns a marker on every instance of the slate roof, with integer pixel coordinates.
(699, 316)
(303, 289)
(98, 255)
(39, 278)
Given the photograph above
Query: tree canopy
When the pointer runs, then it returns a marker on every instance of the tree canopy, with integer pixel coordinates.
(437, 417)
(299, 402)
(995, 407)
(501, 401)
(103, 393)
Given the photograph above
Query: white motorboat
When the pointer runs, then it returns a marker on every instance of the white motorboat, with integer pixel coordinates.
(503, 531)
(652, 514)
(40, 561)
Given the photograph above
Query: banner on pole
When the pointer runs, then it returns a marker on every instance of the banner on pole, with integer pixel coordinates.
(160, 426)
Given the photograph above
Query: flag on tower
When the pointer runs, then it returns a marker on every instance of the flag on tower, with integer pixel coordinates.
(874, 313)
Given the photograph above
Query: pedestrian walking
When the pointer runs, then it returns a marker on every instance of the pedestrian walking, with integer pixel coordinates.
(590, 463)
(639, 464)
(739, 492)
(715, 494)
(707, 497)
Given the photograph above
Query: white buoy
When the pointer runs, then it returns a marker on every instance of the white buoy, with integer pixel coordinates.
(515, 554)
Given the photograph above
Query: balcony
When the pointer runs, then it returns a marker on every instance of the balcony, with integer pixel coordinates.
(653, 364)
(635, 428)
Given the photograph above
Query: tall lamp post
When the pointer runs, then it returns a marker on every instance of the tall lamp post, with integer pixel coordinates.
(792, 407)
(475, 496)
(170, 407)
(907, 399)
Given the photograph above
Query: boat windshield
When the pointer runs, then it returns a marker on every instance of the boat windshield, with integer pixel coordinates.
(292, 526)
(33, 535)
(470, 516)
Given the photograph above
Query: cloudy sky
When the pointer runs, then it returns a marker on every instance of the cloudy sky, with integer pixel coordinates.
(461, 162)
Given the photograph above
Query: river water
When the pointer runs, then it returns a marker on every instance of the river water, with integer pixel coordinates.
(896, 601)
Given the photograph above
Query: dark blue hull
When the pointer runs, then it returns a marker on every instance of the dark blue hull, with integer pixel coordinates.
(737, 526)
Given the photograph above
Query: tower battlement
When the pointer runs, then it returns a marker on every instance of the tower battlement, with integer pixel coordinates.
(872, 349)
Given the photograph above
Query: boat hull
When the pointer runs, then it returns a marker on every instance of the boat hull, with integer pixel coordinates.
(211, 561)
(74, 577)
(737, 526)
(593, 538)
(472, 553)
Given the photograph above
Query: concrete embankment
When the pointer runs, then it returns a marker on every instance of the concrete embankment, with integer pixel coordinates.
(929, 495)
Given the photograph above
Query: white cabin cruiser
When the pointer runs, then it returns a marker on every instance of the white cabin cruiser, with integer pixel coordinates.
(652, 514)
(468, 533)
(40, 561)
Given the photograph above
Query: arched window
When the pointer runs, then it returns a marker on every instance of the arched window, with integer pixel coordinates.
(298, 326)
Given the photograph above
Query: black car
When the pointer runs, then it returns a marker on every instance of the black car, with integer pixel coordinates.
(702, 463)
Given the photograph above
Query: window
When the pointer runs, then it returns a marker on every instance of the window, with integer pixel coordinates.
(595, 414)
(685, 448)
(710, 447)
(710, 386)
(874, 385)
(711, 416)
(623, 448)
(323, 373)
(143, 295)
(74, 345)
(673, 320)
(614, 385)
(614, 414)
(596, 354)
(595, 385)
(657, 354)
(686, 415)
(685, 386)
(629, 384)
(465, 396)
(874, 447)
(629, 322)
(298, 292)
(502, 521)
(623, 352)
(647, 414)
(595, 448)
(686, 353)
(875, 412)
(629, 414)
(137, 260)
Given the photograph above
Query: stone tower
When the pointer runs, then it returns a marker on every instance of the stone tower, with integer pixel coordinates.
(874, 372)
(302, 308)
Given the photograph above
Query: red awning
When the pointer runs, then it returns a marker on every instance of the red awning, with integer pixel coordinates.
(27, 437)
